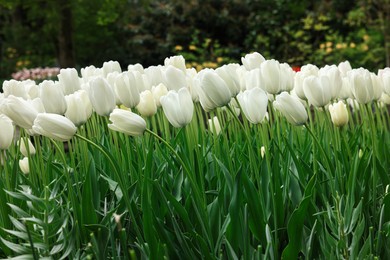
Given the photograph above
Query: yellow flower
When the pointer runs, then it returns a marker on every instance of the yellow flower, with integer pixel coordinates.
(339, 46)
(365, 47)
(322, 46)
(329, 50)
(178, 48)
(366, 37)
(329, 44)
(352, 45)
(219, 59)
(192, 47)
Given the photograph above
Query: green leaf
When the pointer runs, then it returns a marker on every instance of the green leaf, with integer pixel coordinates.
(296, 221)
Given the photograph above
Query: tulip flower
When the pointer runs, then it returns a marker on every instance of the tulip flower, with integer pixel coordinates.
(175, 78)
(213, 90)
(79, 107)
(253, 103)
(52, 97)
(101, 96)
(136, 67)
(26, 146)
(271, 76)
(262, 152)
(178, 107)
(287, 77)
(385, 75)
(252, 61)
(214, 125)
(111, 66)
(230, 75)
(291, 107)
(54, 126)
(159, 91)
(377, 86)
(361, 85)
(339, 113)
(69, 80)
(147, 106)
(155, 74)
(344, 67)
(334, 75)
(24, 166)
(317, 90)
(6, 132)
(20, 111)
(176, 61)
(15, 88)
(127, 122)
(126, 90)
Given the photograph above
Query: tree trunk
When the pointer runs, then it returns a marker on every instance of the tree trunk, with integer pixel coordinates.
(66, 57)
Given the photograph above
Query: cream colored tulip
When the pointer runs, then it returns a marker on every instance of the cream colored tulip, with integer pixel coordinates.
(339, 113)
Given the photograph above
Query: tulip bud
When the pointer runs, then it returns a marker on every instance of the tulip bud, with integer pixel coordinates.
(271, 76)
(127, 122)
(344, 67)
(126, 90)
(136, 67)
(175, 78)
(14, 88)
(101, 96)
(291, 107)
(230, 75)
(317, 90)
(159, 91)
(254, 104)
(54, 126)
(287, 77)
(79, 107)
(377, 86)
(339, 113)
(6, 132)
(262, 152)
(26, 147)
(52, 97)
(334, 76)
(155, 74)
(252, 61)
(214, 125)
(213, 91)
(24, 166)
(385, 75)
(361, 85)
(176, 61)
(147, 106)
(178, 107)
(69, 80)
(20, 111)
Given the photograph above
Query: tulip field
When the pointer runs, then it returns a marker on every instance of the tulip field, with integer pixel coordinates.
(245, 161)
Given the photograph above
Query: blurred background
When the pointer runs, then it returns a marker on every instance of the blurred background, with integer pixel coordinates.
(208, 33)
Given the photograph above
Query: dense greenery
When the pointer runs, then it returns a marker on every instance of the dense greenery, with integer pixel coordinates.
(207, 33)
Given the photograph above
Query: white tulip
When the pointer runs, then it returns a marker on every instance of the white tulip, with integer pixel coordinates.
(54, 126)
(252, 61)
(361, 85)
(111, 66)
(69, 80)
(24, 166)
(214, 125)
(21, 112)
(176, 61)
(291, 107)
(127, 122)
(6, 133)
(126, 91)
(26, 146)
(147, 106)
(178, 107)
(174, 78)
(230, 75)
(101, 96)
(79, 107)
(159, 91)
(339, 113)
(52, 97)
(317, 90)
(253, 103)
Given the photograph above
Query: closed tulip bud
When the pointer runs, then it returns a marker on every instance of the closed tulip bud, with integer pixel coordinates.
(213, 91)
(252, 61)
(271, 76)
(6, 133)
(287, 77)
(52, 97)
(262, 152)
(24, 166)
(176, 61)
(178, 107)
(54, 126)
(101, 96)
(136, 67)
(126, 90)
(111, 66)
(334, 75)
(214, 125)
(155, 74)
(79, 107)
(317, 90)
(127, 122)
(230, 75)
(253, 79)
(385, 76)
(377, 86)
(69, 80)
(26, 147)
(345, 91)
(339, 113)
(361, 85)
(291, 107)
(159, 91)
(147, 106)
(20, 111)
(254, 104)
(175, 78)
